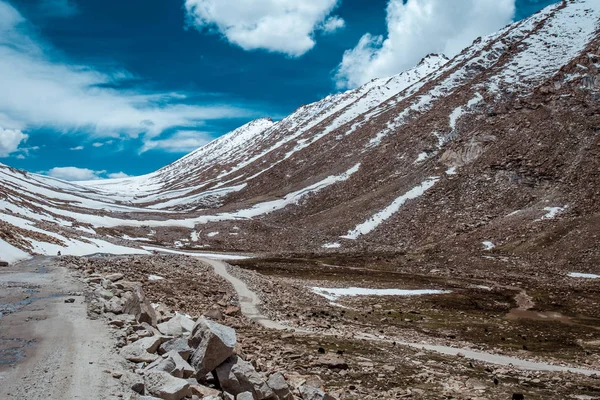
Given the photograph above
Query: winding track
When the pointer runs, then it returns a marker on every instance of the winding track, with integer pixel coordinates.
(249, 301)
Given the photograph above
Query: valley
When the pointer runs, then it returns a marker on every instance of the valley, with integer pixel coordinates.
(434, 234)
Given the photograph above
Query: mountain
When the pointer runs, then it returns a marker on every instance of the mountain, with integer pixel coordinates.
(497, 148)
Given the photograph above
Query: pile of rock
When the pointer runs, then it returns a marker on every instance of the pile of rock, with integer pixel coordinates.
(176, 357)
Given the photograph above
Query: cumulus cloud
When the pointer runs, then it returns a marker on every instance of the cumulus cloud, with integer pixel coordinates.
(82, 174)
(180, 142)
(332, 24)
(118, 175)
(419, 27)
(10, 139)
(46, 90)
(283, 26)
(75, 174)
(77, 148)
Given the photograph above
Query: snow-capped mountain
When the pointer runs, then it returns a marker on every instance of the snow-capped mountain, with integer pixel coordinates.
(498, 145)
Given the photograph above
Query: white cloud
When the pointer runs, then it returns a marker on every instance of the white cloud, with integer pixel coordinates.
(77, 148)
(180, 142)
(282, 26)
(417, 28)
(97, 144)
(10, 139)
(48, 91)
(332, 24)
(118, 175)
(75, 174)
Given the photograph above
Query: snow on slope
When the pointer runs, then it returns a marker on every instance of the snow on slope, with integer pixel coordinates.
(373, 222)
(259, 138)
(365, 121)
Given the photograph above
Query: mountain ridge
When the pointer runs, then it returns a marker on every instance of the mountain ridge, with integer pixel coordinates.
(390, 166)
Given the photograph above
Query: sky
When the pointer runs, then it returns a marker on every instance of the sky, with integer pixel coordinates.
(96, 89)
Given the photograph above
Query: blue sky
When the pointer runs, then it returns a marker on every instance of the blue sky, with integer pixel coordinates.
(99, 88)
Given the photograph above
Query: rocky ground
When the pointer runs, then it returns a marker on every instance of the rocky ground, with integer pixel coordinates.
(341, 343)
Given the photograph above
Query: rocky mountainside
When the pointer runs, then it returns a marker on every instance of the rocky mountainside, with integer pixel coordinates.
(494, 150)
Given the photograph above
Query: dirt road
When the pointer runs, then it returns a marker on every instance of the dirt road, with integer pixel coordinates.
(49, 349)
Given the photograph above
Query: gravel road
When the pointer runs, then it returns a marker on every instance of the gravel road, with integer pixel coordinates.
(49, 349)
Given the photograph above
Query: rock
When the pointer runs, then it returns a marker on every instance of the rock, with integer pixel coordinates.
(238, 376)
(281, 388)
(104, 294)
(214, 343)
(136, 303)
(244, 396)
(332, 361)
(173, 364)
(114, 277)
(163, 313)
(232, 310)
(176, 326)
(114, 305)
(214, 314)
(180, 345)
(141, 350)
(203, 391)
(138, 387)
(228, 396)
(309, 392)
(71, 300)
(166, 387)
(313, 389)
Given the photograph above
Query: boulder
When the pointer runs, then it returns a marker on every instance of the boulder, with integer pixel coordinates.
(163, 313)
(165, 386)
(280, 387)
(104, 294)
(114, 305)
(180, 345)
(332, 361)
(244, 396)
(176, 326)
(214, 343)
(214, 314)
(238, 376)
(136, 303)
(203, 391)
(114, 277)
(310, 392)
(141, 350)
(173, 364)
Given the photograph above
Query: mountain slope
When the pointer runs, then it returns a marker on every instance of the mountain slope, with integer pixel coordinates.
(498, 145)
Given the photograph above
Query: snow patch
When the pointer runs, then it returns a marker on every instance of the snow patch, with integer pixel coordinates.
(487, 245)
(372, 223)
(335, 294)
(552, 212)
(11, 254)
(212, 256)
(332, 245)
(584, 276)
(155, 278)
